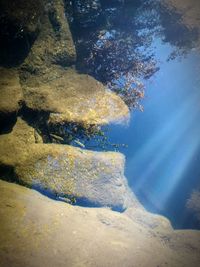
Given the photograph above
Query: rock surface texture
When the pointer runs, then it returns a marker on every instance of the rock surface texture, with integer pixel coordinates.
(58, 234)
(54, 45)
(77, 98)
(93, 178)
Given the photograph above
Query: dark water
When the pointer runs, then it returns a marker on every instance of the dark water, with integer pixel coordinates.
(163, 143)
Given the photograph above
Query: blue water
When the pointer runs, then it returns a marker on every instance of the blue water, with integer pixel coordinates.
(163, 154)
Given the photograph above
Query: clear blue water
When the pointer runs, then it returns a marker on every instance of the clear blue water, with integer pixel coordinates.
(163, 154)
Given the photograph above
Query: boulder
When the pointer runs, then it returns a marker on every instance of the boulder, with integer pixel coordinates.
(76, 98)
(92, 178)
(37, 231)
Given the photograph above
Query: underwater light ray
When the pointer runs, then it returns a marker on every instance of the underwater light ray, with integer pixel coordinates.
(181, 115)
(157, 138)
(180, 170)
(165, 189)
(166, 186)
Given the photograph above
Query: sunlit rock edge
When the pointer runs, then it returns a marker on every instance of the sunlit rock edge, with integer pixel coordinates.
(76, 98)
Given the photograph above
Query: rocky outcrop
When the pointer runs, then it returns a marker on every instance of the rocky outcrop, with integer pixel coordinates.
(47, 87)
(53, 47)
(37, 231)
(47, 81)
(76, 98)
(20, 24)
(92, 178)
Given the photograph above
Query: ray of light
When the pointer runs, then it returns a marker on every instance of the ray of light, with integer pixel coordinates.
(177, 129)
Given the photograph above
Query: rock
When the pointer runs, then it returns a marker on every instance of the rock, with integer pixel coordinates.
(93, 178)
(20, 24)
(10, 91)
(37, 231)
(37, 32)
(64, 52)
(149, 220)
(77, 98)
(53, 47)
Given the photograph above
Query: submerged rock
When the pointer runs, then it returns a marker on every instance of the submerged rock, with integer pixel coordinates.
(75, 98)
(53, 47)
(37, 231)
(92, 178)
(20, 24)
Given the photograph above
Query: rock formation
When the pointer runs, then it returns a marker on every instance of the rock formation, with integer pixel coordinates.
(41, 86)
(47, 83)
(37, 231)
(93, 178)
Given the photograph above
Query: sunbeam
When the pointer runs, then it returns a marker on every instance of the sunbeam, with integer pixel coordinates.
(156, 145)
